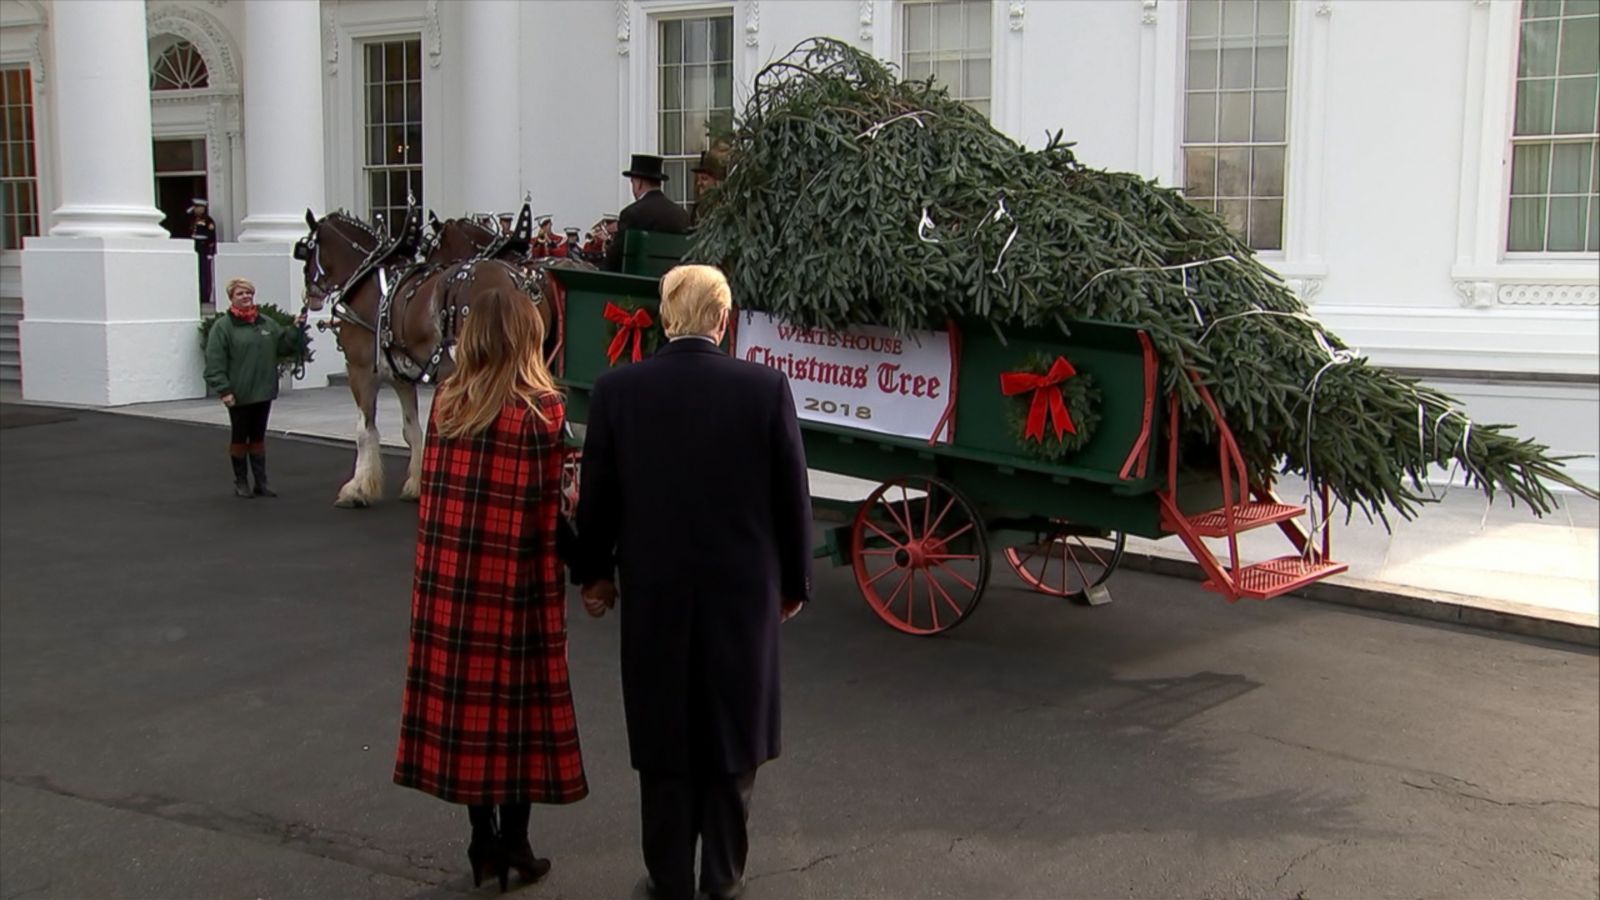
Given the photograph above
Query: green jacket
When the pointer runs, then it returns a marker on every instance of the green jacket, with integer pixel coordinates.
(242, 359)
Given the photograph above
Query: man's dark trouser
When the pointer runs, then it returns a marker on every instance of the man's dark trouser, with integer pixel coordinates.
(677, 809)
(207, 279)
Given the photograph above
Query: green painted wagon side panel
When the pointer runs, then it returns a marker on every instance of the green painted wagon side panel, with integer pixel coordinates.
(1004, 492)
(652, 253)
(587, 331)
(1110, 354)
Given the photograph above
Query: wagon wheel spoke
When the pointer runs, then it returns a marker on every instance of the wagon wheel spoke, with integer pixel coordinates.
(1066, 555)
(904, 524)
(932, 609)
(957, 533)
(886, 571)
(946, 594)
(893, 595)
(911, 598)
(885, 535)
(956, 575)
(942, 513)
(1092, 552)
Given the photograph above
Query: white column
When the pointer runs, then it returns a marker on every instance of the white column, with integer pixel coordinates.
(112, 300)
(102, 84)
(283, 144)
(492, 152)
(283, 161)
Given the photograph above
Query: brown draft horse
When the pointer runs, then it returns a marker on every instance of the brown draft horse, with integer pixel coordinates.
(403, 342)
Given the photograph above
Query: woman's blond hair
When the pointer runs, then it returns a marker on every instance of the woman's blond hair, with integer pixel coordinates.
(227, 291)
(693, 299)
(499, 358)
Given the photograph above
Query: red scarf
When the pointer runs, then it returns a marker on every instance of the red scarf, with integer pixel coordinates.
(245, 314)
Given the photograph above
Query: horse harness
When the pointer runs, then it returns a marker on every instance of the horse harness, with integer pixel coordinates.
(391, 278)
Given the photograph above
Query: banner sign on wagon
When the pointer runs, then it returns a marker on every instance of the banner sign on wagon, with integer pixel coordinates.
(867, 377)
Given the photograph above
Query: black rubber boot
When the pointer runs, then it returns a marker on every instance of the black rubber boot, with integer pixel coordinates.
(241, 481)
(258, 467)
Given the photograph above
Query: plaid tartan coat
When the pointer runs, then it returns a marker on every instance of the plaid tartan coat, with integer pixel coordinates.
(487, 715)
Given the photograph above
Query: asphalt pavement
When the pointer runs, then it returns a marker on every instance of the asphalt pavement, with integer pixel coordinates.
(199, 697)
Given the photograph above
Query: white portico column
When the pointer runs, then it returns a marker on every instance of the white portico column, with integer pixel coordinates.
(283, 162)
(282, 118)
(491, 151)
(103, 114)
(112, 300)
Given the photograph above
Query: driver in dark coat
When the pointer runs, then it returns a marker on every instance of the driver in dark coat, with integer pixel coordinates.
(694, 487)
(651, 210)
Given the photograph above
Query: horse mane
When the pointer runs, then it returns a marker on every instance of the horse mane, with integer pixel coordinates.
(345, 218)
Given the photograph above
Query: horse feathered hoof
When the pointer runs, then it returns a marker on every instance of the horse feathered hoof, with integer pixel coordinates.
(351, 503)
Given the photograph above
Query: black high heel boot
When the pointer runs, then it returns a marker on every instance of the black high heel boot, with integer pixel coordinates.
(241, 480)
(514, 843)
(258, 468)
(484, 853)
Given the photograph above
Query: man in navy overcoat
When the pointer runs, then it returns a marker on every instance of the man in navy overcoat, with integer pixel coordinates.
(694, 489)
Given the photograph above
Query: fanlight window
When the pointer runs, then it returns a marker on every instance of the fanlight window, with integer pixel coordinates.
(179, 68)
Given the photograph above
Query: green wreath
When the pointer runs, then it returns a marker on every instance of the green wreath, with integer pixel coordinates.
(287, 362)
(649, 342)
(1081, 396)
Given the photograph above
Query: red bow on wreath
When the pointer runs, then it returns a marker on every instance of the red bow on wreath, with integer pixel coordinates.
(634, 324)
(1046, 397)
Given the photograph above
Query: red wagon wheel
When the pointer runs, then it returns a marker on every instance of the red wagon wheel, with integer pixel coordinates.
(921, 554)
(1068, 562)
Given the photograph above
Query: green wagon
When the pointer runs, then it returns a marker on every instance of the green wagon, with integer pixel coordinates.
(920, 544)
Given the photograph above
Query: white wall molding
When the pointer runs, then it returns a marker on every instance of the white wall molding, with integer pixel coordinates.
(1472, 337)
(208, 36)
(624, 28)
(1160, 91)
(1549, 294)
(432, 34)
(330, 38)
(752, 23)
(38, 72)
(1304, 211)
(1006, 87)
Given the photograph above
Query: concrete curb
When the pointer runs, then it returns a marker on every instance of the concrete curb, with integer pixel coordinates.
(1420, 603)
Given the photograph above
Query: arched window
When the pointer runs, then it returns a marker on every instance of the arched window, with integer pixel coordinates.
(180, 67)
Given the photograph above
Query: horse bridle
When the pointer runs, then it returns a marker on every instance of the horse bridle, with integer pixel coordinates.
(309, 251)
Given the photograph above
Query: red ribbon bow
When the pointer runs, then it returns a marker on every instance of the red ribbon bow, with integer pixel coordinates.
(1046, 397)
(634, 324)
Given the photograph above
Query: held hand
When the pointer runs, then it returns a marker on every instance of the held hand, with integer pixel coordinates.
(599, 597)
(791, 608)
(227, 400)
(300, 320)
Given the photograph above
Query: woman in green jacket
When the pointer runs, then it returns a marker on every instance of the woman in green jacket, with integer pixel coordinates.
(242, 354)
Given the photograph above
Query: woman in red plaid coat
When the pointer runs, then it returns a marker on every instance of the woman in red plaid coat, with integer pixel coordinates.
(488, 718)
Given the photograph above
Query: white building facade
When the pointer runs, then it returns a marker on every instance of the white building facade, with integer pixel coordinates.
(1425, 173)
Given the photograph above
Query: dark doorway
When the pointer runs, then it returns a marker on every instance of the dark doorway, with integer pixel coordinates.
(180, 179)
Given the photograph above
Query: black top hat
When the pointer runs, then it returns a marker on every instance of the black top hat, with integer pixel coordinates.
(647, 167)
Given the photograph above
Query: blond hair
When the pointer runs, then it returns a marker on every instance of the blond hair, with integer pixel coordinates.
(499, 358)
(693, 300)
(227, 291)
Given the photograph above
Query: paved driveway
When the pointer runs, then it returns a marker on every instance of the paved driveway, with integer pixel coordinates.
(200, 699)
